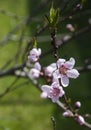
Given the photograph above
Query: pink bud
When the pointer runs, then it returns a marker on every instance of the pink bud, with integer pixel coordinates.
(80, 120)
(66, 114)
(70, 27)
(77, 104)
(34, 54)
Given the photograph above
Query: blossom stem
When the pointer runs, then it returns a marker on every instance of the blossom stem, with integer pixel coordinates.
(86, 124)
(61, 105)
(53, 42)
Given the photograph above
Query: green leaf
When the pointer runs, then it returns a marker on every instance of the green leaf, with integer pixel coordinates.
(34, 43)
(47, 18)
(54, 14)
(55, 20)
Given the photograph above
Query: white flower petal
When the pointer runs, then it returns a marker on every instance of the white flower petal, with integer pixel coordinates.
(73, 73)
(64, 80)
(34, 51)
(39, 51)
(43, 95)
(49, 71)
(60, 62)
(34, 73)
(61, 91)
(53, 65)
(32, 58)
(34, 54)
(37, 66)
(56, 74)
(46, 88)
(70, 64)
(55, 84)
(55, 79)
(54, 99)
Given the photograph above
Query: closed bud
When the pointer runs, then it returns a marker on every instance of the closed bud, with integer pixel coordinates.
(80, 120)
(77, 105)
(70, 27)
(66, 114)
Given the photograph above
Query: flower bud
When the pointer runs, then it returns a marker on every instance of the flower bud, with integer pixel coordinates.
(66, 114)
(34, 54)
(77, 104)
(80, 120)
(70, 27)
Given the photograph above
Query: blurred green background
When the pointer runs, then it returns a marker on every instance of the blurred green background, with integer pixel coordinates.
(23, 109)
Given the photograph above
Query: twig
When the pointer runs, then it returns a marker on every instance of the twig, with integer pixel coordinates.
(10, 14)
(53, 122)
(12, 87)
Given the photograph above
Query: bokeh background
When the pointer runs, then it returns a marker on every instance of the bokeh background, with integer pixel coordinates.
(22, 108)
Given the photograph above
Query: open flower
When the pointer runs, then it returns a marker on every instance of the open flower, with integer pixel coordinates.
(34, 54)
(65, 71)
(35, 71)
(50, 69)
(54, 91)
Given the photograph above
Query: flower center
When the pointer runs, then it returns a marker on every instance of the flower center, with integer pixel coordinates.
(63, 70)
(55, 92)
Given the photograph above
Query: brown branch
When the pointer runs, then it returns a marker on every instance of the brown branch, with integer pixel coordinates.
(67, 38)
(11, 71)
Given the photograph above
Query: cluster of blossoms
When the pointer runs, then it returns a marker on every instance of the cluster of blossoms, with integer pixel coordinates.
(58, 73)
(33, 57)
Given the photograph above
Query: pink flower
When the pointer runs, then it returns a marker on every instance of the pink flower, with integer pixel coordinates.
(65, 71)
(34, 54)
(54, 91)
(50, 69)
(35, 71)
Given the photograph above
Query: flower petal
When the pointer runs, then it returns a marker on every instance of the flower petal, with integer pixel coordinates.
(49, 71)
(62, 92)
(64, 80)
(34, 73)
(56, 74)
(39, 51)
(53, 65)
(73, 73)
(37, 66)
(34, 54)
(33, 51)
(46, 89)
(43, 95)
(54, 99)
(70, 64)
(60, 62)
(32, 58)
